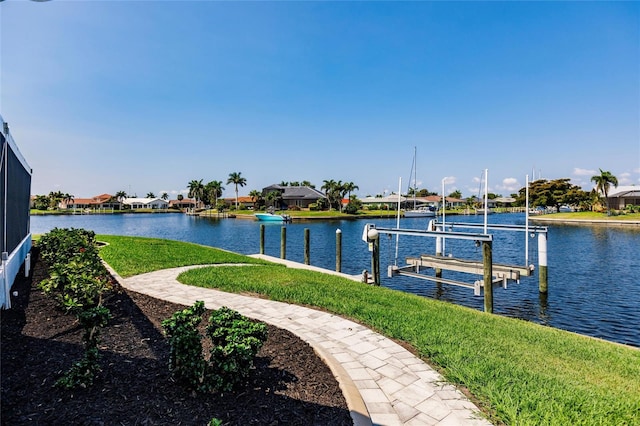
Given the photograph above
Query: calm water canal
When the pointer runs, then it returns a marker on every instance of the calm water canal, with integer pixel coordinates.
(594, 272)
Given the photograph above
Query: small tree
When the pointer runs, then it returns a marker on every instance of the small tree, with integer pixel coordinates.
(603, 182)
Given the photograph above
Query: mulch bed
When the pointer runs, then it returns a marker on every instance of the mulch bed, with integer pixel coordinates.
(289, 385)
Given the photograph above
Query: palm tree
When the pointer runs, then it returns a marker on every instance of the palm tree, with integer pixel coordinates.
(214, 190)
(165, 196)
(121, 195)
(334, 192)
(151, 195)
(256, 197)
(603, 182)
(349, 187)
(272, 197)
(67, 198)
(55, 198)
(196, 190)
(236, 179)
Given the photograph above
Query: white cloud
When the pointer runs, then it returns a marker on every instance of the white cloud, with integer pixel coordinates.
(625, 179)
(449, 180)
(583, 172)
(509, 184)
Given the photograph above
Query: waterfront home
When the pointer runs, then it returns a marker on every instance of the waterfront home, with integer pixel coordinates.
(390, 202)
(102, 201)
(185, 203)
(623, 196)
(244, 202)
(145, 203)
(289, 196)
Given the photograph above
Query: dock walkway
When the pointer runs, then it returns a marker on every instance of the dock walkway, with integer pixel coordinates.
(383, 383)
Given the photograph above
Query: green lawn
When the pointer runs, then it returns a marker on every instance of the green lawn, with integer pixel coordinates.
(521, 373)
(136, 255)
(594, 216)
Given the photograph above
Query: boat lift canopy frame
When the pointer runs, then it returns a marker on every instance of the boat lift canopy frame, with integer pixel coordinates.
(439, 231)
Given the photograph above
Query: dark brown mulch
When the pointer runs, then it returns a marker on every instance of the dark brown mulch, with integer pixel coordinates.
(290, 384)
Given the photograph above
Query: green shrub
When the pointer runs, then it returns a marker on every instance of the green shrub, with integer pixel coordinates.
(350, 208)
(78, 282)
(185, 353)
(236, 341)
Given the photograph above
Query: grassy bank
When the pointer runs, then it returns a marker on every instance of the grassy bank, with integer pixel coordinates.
(634, 217)
(136, 255)
(521, 373)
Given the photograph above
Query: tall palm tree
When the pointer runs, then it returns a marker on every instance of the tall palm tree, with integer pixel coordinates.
(214, 190)
(603, 182)
(196, 190)
(349, 187)
(334, 192)
(236, 179)
(165, 196)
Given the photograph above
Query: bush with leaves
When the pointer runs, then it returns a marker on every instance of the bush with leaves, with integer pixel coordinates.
(236, 341)
(185, 345)
(78, 282)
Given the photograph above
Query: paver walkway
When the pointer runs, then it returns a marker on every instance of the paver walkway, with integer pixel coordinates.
(383, 383)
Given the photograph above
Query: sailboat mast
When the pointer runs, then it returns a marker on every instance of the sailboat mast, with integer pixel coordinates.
(415, 174)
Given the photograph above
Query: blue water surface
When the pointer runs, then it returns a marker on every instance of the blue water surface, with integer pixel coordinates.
(593, 271)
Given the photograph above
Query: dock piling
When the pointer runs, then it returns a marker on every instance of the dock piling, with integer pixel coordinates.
(261, 239)
(374, 238)
(542, 261)
(307, 256)
(283, 243)
(487, 258)
(338, 250)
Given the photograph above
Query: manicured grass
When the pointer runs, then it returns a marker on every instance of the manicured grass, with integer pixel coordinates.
(134, 255)
(593, 216)
(522, 373)
(335, 214)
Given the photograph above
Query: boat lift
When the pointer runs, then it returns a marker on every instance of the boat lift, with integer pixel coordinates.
(493, 273)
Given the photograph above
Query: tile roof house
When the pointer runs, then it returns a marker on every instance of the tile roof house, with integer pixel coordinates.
(185, 203)
(243, 202)
(102, 201)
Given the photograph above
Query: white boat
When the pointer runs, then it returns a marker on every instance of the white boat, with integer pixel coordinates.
(483, 210)
(423, 210)
(270, 217)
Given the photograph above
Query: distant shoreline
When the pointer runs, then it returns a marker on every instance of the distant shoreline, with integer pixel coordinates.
(584, 222)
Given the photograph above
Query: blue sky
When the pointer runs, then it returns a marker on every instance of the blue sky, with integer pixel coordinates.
(146, 96)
